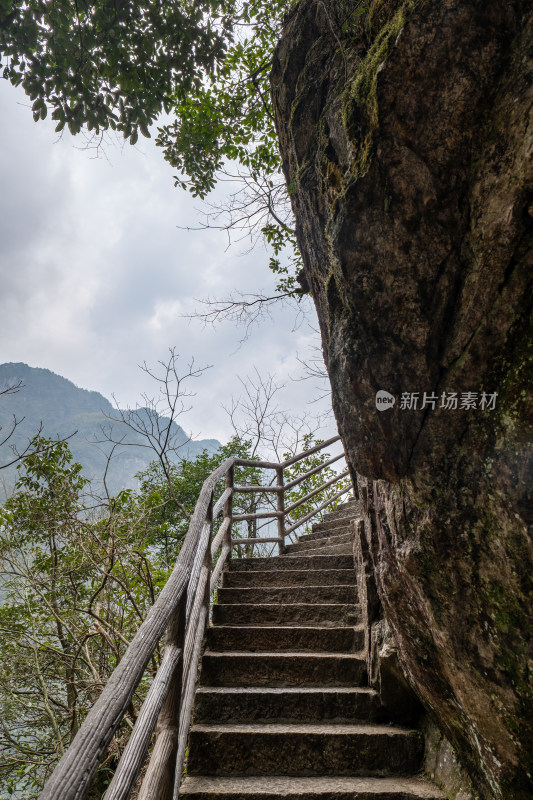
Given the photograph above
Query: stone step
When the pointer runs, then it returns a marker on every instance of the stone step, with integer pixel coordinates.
(289, 577)
(262, 637)
(349, 509)
(328, 614)
(237, 668)
(282, 705)
(350, 506)
(323, 541)
(282, 562)
(329, 549)
(288, 594)
(292, 788)
(323, 534)
(334, 524)
(281, 787)
(303, 750)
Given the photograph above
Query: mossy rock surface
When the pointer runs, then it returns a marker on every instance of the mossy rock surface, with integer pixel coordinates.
(407, 132)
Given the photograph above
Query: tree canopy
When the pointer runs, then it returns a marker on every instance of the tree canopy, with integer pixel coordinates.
(99, 65)
(110, 64)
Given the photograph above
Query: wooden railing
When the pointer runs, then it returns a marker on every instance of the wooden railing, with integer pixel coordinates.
(182, 610)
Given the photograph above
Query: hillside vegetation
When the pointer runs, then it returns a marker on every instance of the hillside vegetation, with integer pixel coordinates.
(85, 418)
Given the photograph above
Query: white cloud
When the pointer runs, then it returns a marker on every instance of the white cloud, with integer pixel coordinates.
(96, 270)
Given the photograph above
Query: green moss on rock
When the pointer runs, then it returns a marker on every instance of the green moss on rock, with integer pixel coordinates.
(360, 111)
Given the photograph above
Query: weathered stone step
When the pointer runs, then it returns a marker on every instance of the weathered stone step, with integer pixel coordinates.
(282, 562)
(342, 508)
(287, 614)
(303, 750)
(330, 549)
(277, 787)
(342, 512)
(262, 637)
(324, 541)
(323, 534)
(288, 594)
(333, 524)
(282, 669)
(289, 577)
(283, 705)
(350, 509)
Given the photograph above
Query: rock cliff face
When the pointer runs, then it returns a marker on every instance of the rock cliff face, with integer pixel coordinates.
(406, 130)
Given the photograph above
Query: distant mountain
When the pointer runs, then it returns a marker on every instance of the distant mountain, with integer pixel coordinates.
(64, 409)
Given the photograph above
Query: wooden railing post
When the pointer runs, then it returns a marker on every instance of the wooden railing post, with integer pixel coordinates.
(208, 563)
(228, 506)
(193, 648)
(281, 511)
(158, 781)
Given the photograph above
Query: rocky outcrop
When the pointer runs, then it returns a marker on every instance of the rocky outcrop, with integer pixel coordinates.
(406, 130)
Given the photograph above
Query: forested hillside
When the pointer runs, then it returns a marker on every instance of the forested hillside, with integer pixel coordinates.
(86, 418)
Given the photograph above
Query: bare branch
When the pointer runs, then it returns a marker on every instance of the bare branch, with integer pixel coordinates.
(244, 310)
(255, 415)
(154, 423)
(12, 389)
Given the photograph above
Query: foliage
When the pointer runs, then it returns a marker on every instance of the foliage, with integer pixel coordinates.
(187, 478)
(110, 65)
(120, 65)
(77, 579)
(231, 121)
(78, 576)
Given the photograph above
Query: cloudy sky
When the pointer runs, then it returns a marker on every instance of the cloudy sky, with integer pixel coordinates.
(97, 275)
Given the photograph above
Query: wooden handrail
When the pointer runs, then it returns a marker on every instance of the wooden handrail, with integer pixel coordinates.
(312, 494)
(312, 472)
(257, 515)
(258, 489)
(222, 500)
(246, 462)
(182, 609)
(316, 510)
(73, 775)
(306, 453)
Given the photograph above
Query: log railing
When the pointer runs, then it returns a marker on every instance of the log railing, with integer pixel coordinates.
(181, 613)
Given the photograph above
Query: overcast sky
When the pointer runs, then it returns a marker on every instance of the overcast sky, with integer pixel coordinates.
(96, 273)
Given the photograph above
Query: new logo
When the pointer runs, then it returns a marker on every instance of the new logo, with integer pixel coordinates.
(384, 400)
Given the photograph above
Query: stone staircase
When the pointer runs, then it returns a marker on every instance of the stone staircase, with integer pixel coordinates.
(283, 709)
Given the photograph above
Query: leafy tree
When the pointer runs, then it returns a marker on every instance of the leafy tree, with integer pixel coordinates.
(111, 65)
(118, 66)
(78, 574)
(77, 580)
(230, 121)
